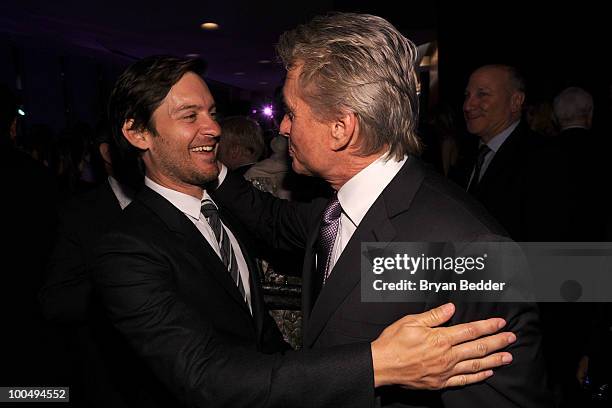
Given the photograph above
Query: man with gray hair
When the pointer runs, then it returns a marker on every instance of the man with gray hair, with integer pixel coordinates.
(351, 111)
(583, 162)
(573, 108)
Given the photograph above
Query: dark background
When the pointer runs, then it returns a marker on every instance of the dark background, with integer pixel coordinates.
(62, 57)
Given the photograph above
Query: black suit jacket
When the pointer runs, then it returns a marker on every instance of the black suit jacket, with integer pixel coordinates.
(525, 188)
(67, 299)
(66, 296)
(171, 297)
(420, 206)
(586, 171)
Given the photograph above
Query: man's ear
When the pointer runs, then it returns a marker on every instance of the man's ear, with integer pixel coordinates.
(343, 130)
(137, 138)
(516, 101)
(104, 149)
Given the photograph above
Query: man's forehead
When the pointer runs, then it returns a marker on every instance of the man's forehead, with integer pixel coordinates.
(490, 77)
(291, 88)
(189, 91)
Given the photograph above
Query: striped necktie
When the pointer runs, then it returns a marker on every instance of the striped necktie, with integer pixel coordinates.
(210, 211)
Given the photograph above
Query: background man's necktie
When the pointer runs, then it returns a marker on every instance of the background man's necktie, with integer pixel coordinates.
(482, 153)
(210, 211)
(327, 236)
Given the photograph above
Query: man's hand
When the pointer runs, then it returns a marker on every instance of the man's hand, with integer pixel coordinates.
(416, 354)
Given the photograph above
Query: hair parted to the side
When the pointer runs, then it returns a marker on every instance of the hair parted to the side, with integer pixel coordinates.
(139, 90)
(362, 64)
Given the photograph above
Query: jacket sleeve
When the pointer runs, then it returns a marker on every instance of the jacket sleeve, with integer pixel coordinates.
(65, 296)
(181, 347)
(281, 224)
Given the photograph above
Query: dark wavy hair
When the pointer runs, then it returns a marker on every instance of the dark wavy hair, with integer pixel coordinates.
(140, 90)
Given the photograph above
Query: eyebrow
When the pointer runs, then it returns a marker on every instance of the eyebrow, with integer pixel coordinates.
(192, 106)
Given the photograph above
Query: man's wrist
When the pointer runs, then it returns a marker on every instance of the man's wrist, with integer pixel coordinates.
(381, 376)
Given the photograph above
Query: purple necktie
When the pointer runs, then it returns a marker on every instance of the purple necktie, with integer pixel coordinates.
(327, 236)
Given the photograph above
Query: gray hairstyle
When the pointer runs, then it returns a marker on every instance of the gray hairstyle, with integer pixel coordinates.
(515, 78)
(358, 63)
(572, 104)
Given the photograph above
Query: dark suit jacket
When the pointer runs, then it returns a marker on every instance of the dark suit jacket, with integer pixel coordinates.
(417, 205)
(525, 188)
(586, 171)
(67, 293)
(171, 297)
(67, 299)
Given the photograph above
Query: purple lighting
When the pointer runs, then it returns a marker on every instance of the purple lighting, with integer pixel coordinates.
(268, 111)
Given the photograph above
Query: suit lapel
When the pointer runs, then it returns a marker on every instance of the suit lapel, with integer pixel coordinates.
(310, 280)
(193, 240)
(376, 226)
(504, 155)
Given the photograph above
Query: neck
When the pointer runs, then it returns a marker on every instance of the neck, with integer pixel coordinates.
(189, 189)
(488, 137)
(347, 168)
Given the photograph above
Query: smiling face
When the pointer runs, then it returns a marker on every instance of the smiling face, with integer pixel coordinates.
(308, 136)
(181, 155)
(491, 105)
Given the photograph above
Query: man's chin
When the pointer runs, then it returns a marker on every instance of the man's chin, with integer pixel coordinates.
(300, 169)
(209, 176)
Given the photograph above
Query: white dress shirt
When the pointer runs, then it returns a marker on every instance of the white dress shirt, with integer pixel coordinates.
(192, 208)
(356, 197)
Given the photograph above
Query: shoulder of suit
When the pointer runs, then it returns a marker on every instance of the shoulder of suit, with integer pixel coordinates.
(455, 206)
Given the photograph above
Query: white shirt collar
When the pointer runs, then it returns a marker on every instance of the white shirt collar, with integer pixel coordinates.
(358, 194)
(574, 127)
(122, 193)
(184, 202)
(499, 139)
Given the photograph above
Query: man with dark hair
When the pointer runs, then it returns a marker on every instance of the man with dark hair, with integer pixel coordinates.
(351, 112)
(183, 292)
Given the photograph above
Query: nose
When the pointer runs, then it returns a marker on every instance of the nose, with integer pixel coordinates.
(285, 127)
(210, 127)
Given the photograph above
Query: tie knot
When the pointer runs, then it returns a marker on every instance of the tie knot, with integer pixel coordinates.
(332, 211)
(209, 208)
(483, 150)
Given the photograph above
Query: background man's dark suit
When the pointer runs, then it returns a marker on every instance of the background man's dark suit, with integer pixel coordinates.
(585, 163)
(67, 299)
(524, 188)
(169, 294)
(416, 206)
(68, 289)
